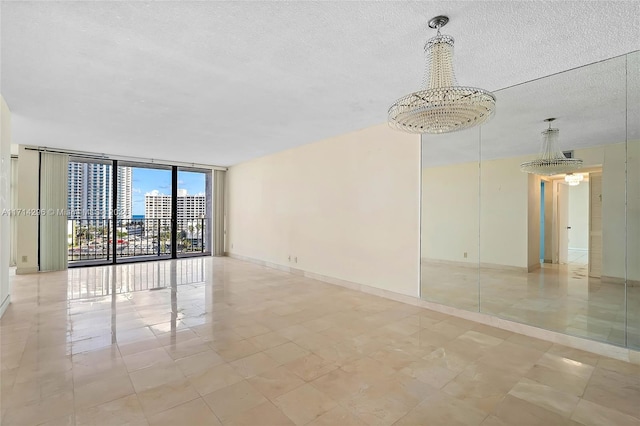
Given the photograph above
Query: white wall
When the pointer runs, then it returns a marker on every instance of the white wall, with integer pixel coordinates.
(346, 207)
(28, 166)
(579, 216)
(5, 203)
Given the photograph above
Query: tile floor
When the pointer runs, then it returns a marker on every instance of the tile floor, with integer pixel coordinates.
(213, 341)
(578, 256)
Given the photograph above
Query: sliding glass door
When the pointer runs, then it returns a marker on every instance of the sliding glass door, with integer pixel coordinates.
(193, 212)
(143, 214)
(89, 197)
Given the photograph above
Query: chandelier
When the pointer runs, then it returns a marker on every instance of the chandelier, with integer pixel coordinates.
(573, 180)
(442, 106)
(551, 160)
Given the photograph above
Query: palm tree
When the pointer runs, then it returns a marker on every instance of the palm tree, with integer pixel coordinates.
(81, 234)
(199, 234)
(190, 242)
(165, 236)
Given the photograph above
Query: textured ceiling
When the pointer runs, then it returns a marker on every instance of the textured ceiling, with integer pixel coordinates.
(224, 82)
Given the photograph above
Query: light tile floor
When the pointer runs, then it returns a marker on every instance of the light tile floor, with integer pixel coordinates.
(215, 341)
(578, 257)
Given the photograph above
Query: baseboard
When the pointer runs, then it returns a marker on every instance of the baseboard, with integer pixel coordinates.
(600, 348)
(399, 297)
(475, 265)
(618, 280)
(457, 263)
(5, 305)
(24, 271)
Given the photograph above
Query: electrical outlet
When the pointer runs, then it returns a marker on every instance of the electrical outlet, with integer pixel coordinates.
(289, 258)
(296, 259)
(25, 259)
(465, 254)
(231, 245)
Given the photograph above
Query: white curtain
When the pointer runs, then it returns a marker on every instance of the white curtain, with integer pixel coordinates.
(53, 205)
(218, 212)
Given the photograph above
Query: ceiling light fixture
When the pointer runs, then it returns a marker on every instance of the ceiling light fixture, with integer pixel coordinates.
(573, 180)
(551, 160)
(442, 106)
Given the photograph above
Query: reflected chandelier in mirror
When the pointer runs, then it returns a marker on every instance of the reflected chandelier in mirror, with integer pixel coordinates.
(551, 160)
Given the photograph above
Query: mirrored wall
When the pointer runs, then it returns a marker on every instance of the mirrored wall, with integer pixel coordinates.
(531, 248)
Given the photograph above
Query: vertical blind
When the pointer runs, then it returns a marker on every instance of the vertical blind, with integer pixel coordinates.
(53, 205)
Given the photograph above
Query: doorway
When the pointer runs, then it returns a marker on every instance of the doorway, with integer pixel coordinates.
(578, 223)
(573, 216)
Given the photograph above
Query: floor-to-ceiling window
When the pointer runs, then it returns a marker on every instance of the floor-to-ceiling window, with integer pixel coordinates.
(89, 205)
(140, 211)
(193, 212)
(144, 214)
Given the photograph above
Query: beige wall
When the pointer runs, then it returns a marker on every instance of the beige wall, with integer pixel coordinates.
(345, 207)
(503, 213)
(613, 210)
(5, 203)
(548, 220)
(453, 214)
(28, 166)
(450, 215)
(633, 212)
(533, 222)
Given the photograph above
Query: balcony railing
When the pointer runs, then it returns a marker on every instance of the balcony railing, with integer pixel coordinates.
(92, 239)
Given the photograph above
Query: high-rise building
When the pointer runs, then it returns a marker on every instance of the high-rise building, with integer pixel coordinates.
(125, 193)
(90, 193)
(158, 206)
(75, 189)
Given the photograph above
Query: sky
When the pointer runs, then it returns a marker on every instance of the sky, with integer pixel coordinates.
(148, 180)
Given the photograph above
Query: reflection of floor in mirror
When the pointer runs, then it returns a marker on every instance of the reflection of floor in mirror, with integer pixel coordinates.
(556, 297)
(578, 256)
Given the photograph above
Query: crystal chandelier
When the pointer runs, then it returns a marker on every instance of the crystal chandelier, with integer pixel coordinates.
(573, 180)
(442, 106)
(551, 160)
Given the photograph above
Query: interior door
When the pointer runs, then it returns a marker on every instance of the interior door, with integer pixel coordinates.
(563, 223)
(595, 224)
